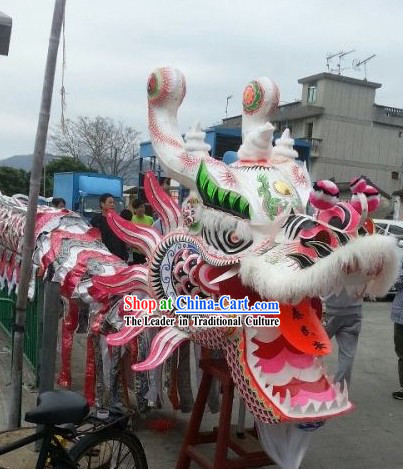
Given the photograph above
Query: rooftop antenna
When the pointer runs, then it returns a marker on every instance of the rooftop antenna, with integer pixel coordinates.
(329, 57)
(341, 56)
(358, 63)
(226, 107)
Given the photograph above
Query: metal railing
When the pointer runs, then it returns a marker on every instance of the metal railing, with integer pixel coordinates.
(33, 327)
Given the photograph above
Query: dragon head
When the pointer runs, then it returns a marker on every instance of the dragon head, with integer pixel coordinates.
(256, 228)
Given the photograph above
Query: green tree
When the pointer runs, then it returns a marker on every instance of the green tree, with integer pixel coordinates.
(13, 181)
(65, 164)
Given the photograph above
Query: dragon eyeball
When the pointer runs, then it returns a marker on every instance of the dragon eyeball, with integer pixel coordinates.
(372, 196)
(357, 185)
(356, 203)
(325, 195)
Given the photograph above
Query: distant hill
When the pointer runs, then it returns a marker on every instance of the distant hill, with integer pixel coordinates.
(23, 161)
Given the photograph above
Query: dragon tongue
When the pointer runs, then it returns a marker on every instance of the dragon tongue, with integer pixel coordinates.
(209, 277)
(225, 276)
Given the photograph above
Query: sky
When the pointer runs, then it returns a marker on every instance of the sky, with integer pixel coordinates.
(220, 45)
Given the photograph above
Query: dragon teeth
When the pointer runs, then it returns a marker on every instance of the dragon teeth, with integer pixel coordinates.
(297, 410)
(253, 359)
(333, 405)
(304, 407)
(323, 407)
(287, 401)
(253, 347)
(309, 408)
(342, 399)
(276, 399)
(317, 405)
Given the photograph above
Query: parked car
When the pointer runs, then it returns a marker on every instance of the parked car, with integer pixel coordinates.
(391, 228)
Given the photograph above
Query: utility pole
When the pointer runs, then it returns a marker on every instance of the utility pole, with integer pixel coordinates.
(14, 416)
(6, 24)
(44, 176)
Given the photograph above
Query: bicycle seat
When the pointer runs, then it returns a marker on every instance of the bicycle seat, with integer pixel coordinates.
(57, 407)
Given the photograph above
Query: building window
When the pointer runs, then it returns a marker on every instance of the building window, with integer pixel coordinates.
(282, 125)
(311, 98)
(395, 175)
(308, 130)
(285, 125)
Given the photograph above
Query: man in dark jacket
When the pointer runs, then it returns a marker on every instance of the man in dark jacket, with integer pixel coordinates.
(115, 245)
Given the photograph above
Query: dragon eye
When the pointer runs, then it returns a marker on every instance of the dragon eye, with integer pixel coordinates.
(253, 97)
(282, 188)
(225, 241)
(233, 238)
(153, 86)
(159, 86)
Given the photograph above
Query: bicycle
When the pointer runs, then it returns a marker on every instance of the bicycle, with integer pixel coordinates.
(91, 440)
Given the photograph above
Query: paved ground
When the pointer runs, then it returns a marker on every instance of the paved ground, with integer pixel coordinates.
(370, 437)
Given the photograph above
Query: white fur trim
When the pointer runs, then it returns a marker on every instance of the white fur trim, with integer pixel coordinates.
(285, 284)
(319, 195)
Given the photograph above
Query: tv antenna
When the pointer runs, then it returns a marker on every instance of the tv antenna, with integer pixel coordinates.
(358, 63)
(340, 56)
(329, 57)
(226, 107)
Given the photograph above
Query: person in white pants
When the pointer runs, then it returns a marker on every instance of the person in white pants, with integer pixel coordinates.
(343, 320)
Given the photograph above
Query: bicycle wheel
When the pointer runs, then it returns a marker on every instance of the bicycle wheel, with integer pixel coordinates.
(109, 449)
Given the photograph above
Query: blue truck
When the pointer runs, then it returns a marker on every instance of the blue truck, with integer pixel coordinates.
(81, 191)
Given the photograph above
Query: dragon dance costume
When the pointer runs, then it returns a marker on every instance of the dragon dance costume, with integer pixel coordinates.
(245, 230)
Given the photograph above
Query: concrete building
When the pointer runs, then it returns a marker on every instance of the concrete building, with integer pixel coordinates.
(349, 134)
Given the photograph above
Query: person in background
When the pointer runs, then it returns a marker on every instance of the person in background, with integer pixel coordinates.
(397, 318)
(127, 215)
(140, 213)
(166, 184)
(58, 202)
(343, 320)
(115, 245)
(140, 217)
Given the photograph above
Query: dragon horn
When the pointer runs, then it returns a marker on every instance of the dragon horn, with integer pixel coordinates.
(166, 90)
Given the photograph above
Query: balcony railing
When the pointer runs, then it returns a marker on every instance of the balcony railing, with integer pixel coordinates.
(316, 145)
(393, 111)
(288, 106)
(388, 111)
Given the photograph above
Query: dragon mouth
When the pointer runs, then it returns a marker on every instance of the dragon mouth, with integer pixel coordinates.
(282, 365)
(294, 384)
